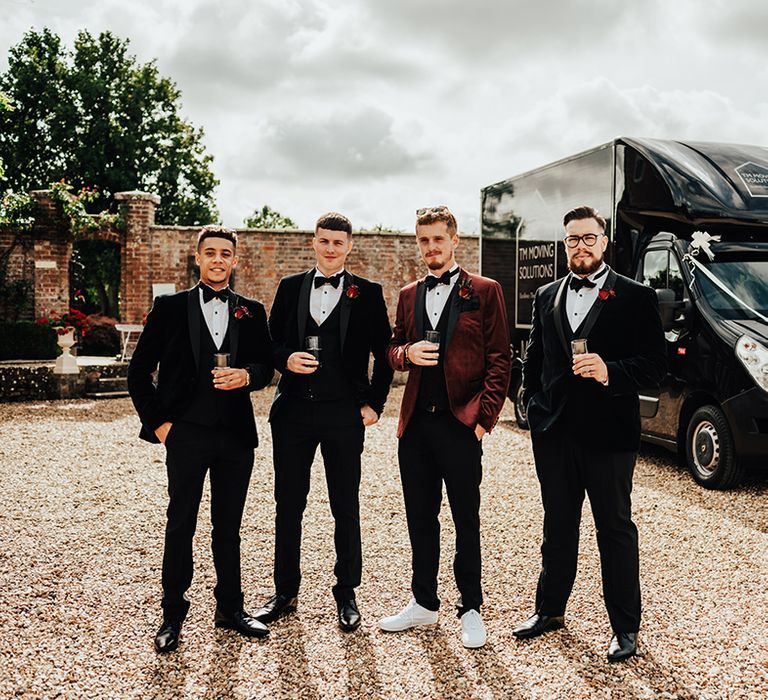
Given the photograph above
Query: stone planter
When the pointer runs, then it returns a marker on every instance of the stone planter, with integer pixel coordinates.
(66, 363)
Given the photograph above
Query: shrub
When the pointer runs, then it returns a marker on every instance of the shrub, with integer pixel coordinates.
(26, 340)
(101, 337)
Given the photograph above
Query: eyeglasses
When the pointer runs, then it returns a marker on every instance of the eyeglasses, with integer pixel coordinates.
(439, 209)
(589, 240)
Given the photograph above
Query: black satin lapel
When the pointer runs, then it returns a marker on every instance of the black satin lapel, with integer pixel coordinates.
(193, 319)
(454, 307)
(302, 309)
(233, 327)
(558, 314)
(346, 307)
(597, 307)
(418, 310)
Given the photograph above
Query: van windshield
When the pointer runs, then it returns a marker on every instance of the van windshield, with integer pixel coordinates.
(747, 279)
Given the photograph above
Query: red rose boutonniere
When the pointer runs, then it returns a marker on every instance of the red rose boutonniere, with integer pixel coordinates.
(604, 294)
(353, 291)
(241, 312)
(466, 291)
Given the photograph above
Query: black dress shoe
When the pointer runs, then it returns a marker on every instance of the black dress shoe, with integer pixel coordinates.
(241, 622)
(167, 637)
(349, 615)
(622, 646)
(538, 624)
(276, 607)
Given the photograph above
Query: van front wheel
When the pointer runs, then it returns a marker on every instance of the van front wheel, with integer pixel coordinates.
(517, 397)
(709, 450)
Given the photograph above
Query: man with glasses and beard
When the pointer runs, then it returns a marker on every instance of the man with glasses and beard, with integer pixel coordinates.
(583, 412)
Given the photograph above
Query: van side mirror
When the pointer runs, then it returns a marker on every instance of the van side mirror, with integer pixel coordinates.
(674, 312)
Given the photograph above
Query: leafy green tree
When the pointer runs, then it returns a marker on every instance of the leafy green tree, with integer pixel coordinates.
(15, 214)
(5, 106)
(95, 116)
(381, 228)
(266, 217)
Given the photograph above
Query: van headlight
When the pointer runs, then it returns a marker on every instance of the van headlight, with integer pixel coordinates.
(754, 356)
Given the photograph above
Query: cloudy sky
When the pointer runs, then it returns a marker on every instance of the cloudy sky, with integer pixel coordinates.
(375, 107)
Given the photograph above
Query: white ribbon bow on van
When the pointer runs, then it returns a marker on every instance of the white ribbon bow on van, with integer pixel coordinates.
(700, 242)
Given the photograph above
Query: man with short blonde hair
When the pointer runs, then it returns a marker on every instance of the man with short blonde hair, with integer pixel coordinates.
(457, 385)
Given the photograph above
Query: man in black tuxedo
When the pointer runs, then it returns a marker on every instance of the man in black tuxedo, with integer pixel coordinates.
(583, 411)
(327, 403)
(204, 418)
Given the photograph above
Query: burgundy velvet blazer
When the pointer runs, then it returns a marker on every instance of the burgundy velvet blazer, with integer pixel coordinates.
(477, 357)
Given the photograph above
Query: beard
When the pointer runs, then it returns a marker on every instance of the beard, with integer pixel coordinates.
(586, 266)
(434, 262)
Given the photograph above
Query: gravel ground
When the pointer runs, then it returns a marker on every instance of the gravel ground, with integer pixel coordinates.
(81, 515)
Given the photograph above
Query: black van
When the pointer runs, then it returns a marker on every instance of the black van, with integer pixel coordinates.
(691, 221)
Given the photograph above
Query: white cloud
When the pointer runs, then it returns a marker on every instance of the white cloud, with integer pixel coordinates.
(587, 114)
(376, 108)
(343, 146)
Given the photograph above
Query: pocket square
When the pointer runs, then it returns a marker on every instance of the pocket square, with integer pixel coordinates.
(472, 304)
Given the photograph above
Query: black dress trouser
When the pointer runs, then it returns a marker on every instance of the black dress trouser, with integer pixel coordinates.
(192, 450)
(297, 430)
(437, 448)
(566, 470)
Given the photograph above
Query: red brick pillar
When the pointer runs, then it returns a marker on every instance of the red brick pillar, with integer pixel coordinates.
(136, 272)
(52, 250)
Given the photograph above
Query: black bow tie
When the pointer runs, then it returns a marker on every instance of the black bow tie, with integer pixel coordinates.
(431, 282)
(333, 281)
(577, 283)
(209, 293)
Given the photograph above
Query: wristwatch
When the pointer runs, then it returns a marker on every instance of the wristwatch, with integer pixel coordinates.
(408, 362)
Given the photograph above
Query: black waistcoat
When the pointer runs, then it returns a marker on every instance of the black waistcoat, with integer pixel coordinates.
(577, 420)
(209, 406)
(329, 382)
(432, 389)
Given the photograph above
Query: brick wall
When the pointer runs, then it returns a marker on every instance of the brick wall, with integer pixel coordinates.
(152, 254)
(264, 257)
(20, 265)
(52, 252)
(136, 254)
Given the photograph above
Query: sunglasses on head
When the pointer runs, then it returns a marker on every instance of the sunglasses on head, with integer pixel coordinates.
(440, 209)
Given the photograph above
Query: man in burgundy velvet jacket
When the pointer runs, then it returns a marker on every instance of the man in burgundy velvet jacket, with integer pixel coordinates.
(455, 391)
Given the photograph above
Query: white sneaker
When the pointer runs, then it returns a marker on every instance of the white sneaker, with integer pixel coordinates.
(412, 615)
(472, 630)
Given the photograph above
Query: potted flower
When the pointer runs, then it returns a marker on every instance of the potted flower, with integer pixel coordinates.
(67, 326)
(71, 323)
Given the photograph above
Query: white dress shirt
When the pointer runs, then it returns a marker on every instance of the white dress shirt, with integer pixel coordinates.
(323, 300)
(216, 314)
(437, 297)
(578, 304)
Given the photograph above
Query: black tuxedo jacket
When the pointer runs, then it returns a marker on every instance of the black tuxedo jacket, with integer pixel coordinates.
(364, 328)
(171, 340)
(624, 328)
